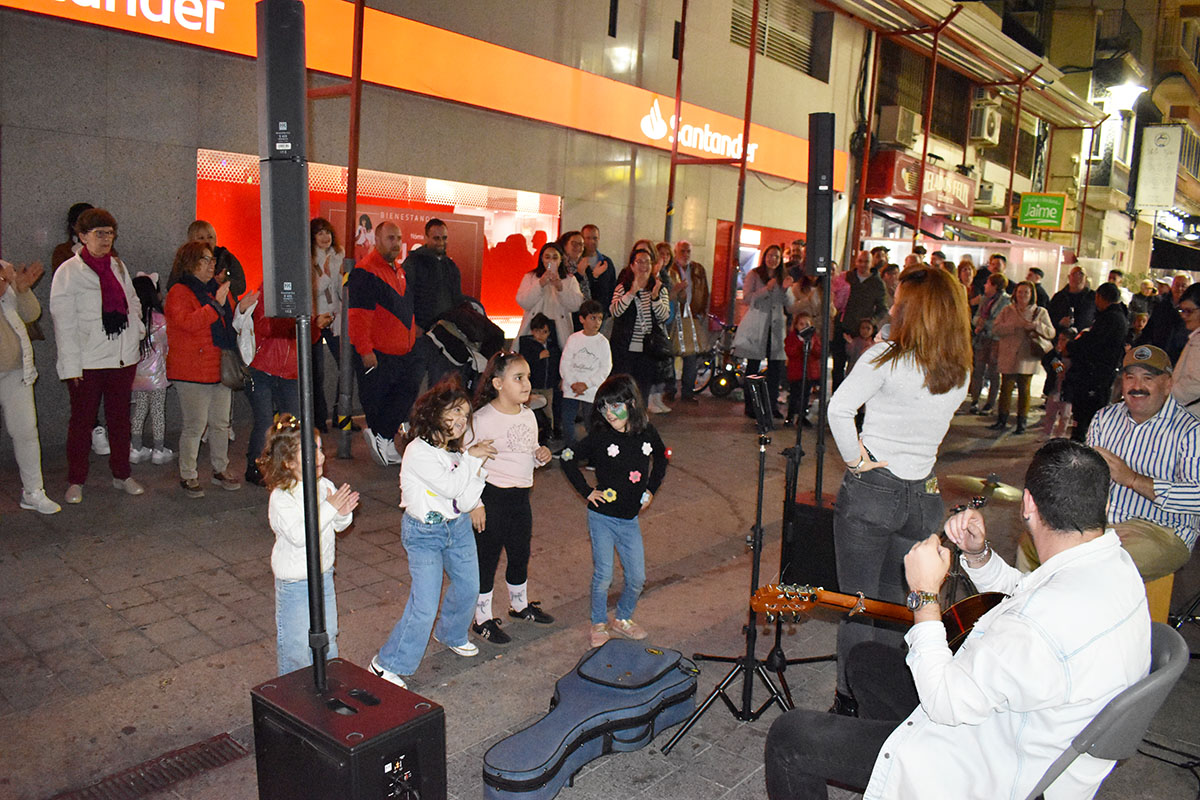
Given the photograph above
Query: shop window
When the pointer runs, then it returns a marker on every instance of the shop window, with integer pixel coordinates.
(789, 31)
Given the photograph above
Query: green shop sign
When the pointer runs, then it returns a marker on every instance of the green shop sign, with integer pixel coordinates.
(1042, 210)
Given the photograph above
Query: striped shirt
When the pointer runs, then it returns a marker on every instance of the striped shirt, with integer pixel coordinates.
(644, 306)
(1166, 448)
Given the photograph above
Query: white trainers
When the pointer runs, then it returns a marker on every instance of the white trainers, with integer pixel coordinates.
(100, 441)
(128, 486)
(387, 675)
(74, 494)
(467, 650)
(629, 629)
(37, 501)
(162, 455)
(382, 451)
(599, 634)
(138, 455)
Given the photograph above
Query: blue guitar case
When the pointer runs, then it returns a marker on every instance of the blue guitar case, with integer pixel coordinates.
(618, 698)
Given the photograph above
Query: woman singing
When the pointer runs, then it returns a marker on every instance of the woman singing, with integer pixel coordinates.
(910, 385)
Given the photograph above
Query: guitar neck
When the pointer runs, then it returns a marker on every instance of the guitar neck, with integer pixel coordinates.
(877, 609)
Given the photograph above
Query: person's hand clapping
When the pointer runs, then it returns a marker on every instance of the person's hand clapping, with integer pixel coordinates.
(222, 293)
(344, 499)
(248, 299)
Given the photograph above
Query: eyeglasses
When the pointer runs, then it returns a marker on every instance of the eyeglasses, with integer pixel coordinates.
(207, 260)
(102, 233)
(1187, 312)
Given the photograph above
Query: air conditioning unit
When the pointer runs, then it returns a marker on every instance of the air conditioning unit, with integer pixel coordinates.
(985, 126)
(990, 198)
(898, 125)
(982, 96)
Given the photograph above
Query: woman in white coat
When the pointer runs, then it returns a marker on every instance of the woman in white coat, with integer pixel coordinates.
(1018, 322)
(760, 333)
(549, 290)
(98, 331)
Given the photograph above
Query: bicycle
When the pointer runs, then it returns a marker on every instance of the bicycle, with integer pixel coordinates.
(719, 370)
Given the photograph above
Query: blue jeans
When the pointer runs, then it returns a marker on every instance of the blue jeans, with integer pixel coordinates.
(879, 518)
(572, 408)
(268, 395)
(291, 623)
(625, 535)
(432, 548)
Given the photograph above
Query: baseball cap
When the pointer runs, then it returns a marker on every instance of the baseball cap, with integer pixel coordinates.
(1148, 357)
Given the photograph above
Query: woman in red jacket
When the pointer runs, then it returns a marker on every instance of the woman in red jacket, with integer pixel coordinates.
(272, 388)
(199, 325)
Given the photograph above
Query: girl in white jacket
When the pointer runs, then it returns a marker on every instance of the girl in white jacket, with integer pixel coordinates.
(281, 468)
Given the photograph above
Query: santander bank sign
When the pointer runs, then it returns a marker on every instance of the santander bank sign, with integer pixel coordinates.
(692, 137)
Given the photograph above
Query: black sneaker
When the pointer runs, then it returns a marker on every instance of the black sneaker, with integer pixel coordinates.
(490, 630)
(844, 705)
(533, 613)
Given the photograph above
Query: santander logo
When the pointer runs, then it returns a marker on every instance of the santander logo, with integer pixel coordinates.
(704, 140)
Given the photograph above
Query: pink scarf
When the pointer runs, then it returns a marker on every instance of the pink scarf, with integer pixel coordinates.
(114, 306)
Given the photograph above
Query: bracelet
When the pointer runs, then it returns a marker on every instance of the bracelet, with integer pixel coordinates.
(978, 555)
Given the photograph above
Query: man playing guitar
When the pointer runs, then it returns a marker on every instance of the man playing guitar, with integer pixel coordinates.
(987, 721)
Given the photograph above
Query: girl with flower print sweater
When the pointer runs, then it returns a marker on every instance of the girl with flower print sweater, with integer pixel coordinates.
(630, 462)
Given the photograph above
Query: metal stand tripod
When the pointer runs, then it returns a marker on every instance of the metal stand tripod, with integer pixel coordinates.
(746, 665)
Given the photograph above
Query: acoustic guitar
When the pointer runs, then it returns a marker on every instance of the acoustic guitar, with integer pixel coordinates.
(789, 600)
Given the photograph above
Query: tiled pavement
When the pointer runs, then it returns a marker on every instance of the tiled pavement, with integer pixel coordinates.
(134, 626)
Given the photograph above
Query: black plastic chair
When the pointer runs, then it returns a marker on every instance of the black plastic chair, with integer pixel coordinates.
(1117, 730)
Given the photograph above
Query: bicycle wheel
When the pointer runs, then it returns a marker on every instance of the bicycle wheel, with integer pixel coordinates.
(704, 372)
(725, 379)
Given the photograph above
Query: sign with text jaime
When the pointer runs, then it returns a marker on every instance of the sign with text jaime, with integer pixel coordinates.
(1158, 166)
(1042, 210)
(450, 66)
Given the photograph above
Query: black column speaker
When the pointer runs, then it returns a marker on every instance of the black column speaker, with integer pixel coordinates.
(283, 164)
(819, 228)
(361, 739)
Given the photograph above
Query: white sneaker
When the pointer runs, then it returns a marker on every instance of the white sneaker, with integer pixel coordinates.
(162, 455)
(137, 456)
(390, 454)
(37, 501)
(387, 675)
(100, 441)
(382, 451)
(467, 650)
(129, 486)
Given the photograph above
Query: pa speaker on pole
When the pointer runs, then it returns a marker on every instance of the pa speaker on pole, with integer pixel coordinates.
(819, 228)
(283, 166)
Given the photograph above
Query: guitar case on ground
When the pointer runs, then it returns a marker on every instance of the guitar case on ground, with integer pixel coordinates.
(618, 698)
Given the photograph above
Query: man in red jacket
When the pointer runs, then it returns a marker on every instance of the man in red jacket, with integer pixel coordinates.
(380, 321)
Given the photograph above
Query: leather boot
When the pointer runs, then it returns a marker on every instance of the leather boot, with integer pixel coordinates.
(1020, 425)
(1000, 424)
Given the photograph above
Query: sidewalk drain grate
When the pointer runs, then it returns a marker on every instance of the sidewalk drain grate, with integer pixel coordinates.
(159, 773)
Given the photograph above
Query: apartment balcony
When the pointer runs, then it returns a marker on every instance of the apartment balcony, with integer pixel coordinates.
(1179, 50)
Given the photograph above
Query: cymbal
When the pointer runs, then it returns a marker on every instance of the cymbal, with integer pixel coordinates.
(990, 487)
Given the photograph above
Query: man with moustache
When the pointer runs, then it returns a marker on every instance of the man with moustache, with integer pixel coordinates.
(1152, 446)
(381, 330)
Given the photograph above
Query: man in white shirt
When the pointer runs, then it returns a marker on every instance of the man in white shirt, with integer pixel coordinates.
(988, 721)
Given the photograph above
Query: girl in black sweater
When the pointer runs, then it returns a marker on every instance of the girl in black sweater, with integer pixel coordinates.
(630, 462)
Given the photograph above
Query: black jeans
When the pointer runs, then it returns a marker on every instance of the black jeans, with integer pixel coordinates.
(807, 748)
(387, 392)
(879, 518)
(509, 528)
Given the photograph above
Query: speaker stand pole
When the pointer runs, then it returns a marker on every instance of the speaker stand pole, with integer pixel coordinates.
(318, 637)
(748, 666)
(777, 661)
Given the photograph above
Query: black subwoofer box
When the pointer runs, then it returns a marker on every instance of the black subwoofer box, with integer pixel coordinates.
(361, 739)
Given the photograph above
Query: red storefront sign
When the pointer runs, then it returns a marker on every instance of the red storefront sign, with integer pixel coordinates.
(894, 174)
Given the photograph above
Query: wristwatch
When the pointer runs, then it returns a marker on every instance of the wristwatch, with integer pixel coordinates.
(917, 599)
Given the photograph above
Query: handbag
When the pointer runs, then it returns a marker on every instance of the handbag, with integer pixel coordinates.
(685, 338)
(657, 345)
(233, 372)
(1039, 345)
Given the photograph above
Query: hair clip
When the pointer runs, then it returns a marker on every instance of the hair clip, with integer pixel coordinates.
(289, 422)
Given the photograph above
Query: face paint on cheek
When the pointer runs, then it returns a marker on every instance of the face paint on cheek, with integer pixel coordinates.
(621, 413)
